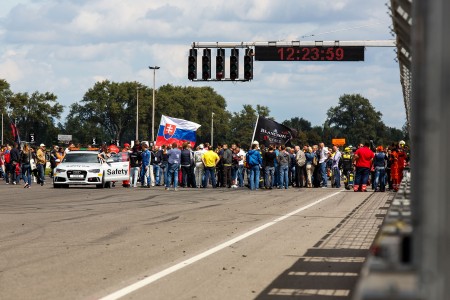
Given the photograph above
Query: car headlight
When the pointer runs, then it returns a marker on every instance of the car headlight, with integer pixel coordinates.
(58, 170)
(94, 171)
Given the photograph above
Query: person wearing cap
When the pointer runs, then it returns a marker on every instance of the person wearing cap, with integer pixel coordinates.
(40, 164)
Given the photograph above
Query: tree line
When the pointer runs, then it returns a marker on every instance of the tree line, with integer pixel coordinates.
(107, 112)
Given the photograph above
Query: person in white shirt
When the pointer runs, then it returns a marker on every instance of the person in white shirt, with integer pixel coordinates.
(323, 163)
(240, 172)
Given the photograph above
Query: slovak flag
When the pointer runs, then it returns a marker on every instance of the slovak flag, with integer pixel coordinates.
(176, 130)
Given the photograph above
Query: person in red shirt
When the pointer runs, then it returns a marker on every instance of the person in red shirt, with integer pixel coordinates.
(363, 160)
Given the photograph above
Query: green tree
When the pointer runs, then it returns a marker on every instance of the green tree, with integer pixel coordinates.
(108, 112)
(195, 104)
(243, 123)
(354, 119)
(315, 135)
(394, 135)
(263, 111)
(298, 124)
(300, 129)
(35, 113)
(5, 94)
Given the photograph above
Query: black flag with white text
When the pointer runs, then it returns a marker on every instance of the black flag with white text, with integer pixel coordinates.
(269, 132)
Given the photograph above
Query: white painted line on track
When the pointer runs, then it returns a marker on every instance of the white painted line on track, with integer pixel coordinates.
(148, 280)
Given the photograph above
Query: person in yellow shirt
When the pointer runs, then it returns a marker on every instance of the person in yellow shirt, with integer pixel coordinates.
(210, 160)
(40, 163)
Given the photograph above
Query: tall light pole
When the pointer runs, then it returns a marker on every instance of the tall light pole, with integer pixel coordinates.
(153, 106)
(137, 113)
(2, 128)
(212, 129)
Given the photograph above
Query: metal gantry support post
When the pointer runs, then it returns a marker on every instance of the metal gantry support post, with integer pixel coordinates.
(430, 144)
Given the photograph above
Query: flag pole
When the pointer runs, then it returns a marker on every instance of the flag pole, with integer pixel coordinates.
(254, 131)
(2, 128)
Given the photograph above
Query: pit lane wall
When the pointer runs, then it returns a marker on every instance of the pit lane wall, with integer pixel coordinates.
(388, 272)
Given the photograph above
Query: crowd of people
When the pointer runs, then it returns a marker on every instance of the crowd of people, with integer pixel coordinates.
(227, 166)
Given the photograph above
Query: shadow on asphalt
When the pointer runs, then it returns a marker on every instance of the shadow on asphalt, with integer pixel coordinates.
(321, 274)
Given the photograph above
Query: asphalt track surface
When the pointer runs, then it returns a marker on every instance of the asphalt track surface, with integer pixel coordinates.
(119, 243)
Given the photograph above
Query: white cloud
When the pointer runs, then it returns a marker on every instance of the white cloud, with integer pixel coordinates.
(66, 46)
(10, 69)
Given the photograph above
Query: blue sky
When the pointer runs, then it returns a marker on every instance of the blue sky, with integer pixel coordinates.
(65, 46)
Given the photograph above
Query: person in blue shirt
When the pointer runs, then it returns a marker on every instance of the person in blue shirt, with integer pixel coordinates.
(254, 161)
(146, 157)
(379, 164)
(174, 159)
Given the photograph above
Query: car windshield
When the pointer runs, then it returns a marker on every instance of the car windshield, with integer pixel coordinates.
(81, 158)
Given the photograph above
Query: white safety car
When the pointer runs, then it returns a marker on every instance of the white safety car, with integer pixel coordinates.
(86, 168)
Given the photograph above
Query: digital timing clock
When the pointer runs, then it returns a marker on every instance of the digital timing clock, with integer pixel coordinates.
(310, 53)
